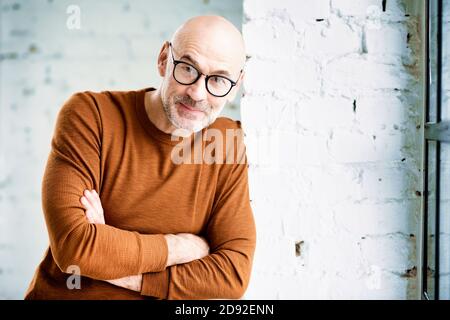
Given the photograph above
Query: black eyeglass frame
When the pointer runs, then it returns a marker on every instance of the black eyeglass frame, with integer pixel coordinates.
(176, 62)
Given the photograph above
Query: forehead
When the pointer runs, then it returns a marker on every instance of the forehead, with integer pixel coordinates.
(208, 56)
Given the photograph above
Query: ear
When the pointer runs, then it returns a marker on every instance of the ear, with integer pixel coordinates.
(232, 95)
(162, 59)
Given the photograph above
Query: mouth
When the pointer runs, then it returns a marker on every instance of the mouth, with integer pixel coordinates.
(189, 108)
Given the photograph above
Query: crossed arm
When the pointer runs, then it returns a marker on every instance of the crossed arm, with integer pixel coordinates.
(74, 166)
(182, 247)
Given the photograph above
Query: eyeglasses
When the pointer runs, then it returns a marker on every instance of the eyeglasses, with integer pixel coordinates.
(186, 74)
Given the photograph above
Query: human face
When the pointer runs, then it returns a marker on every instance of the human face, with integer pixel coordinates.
(192, 107)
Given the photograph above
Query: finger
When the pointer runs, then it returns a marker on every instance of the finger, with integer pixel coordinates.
(93, 217)
(95, 205)
(90, 212)
(97, 202)
(88, 197)
(93, 199)
(82, 201)
(85, 202)
(90, 217)
(99, 206)
(97, 211)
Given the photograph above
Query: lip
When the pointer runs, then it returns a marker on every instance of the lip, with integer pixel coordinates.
(190, 109)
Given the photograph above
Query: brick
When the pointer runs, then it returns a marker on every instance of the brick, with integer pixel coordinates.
(377, 218)
(349, 146)
(298, 10)
(301, 75)
(394, 10)
(359, 8)
(336, 37)
(387, 39)
(391, 252)
(270, 40)
(361, 73)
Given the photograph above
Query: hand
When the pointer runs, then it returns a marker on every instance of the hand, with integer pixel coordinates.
(94, 213)
(131, 283)
(93, 207)
(185, 247)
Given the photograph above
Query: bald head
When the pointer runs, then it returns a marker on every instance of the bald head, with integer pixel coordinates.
(206, 45)
(214, 37)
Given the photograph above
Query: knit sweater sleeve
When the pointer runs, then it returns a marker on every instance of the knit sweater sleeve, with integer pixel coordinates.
(231, 234)
(100, 251)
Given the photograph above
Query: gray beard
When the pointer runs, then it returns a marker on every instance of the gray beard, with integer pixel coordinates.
(172, 118)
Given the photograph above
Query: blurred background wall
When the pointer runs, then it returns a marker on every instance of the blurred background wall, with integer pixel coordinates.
(44, 58)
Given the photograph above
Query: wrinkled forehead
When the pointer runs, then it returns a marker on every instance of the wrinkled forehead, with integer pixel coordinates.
(210, 53)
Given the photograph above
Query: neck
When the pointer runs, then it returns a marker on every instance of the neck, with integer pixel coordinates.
(155, 111)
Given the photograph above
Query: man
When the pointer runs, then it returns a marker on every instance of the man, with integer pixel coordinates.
(125, 220)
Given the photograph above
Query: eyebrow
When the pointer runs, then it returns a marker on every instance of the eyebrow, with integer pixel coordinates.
(192, 60)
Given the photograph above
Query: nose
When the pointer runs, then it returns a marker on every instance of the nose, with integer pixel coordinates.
(197, 91)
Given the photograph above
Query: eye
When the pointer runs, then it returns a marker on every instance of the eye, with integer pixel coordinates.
(188, 68)
(218, 80)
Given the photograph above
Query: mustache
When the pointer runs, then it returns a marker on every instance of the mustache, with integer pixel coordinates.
(190, 102)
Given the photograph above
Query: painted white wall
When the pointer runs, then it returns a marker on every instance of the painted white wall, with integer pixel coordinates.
(332, 104)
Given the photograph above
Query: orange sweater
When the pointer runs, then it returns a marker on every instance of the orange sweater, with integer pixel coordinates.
(105, 141)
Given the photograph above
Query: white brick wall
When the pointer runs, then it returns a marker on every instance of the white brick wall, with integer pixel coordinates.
(337, 82)
(333, 97)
